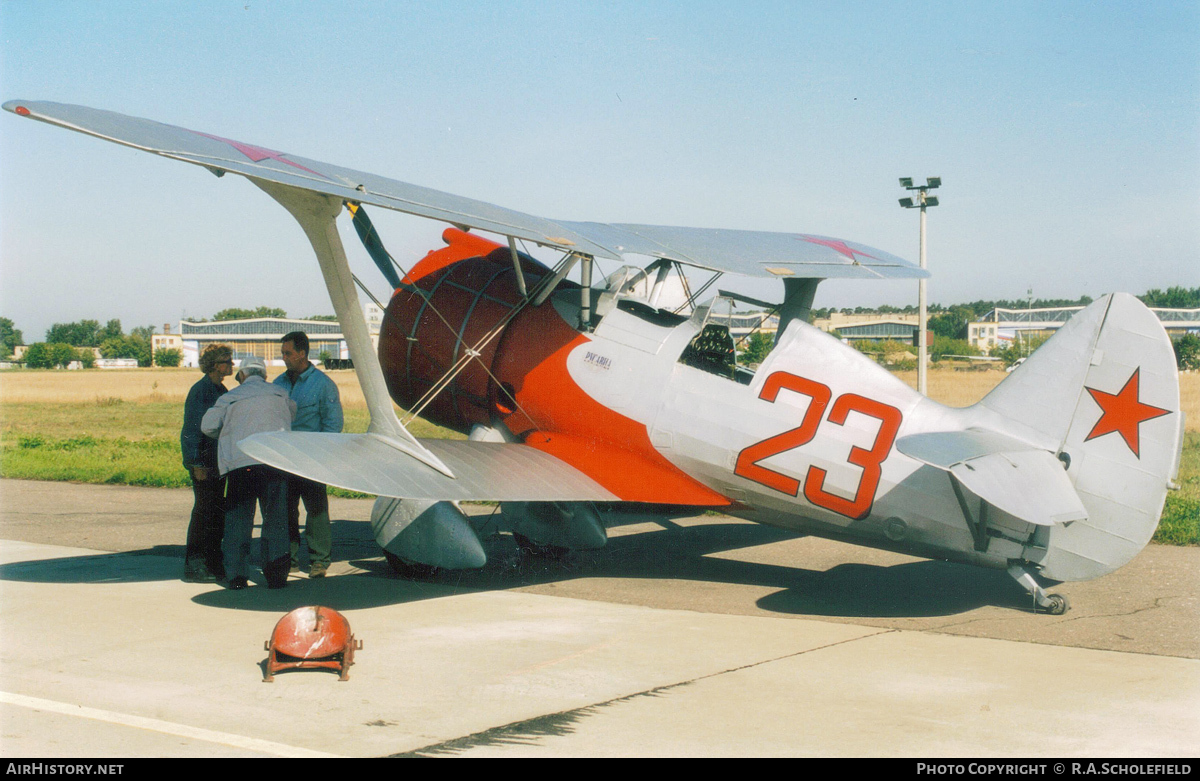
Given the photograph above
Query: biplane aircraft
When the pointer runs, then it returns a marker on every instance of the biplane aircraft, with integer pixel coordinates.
(625, 389)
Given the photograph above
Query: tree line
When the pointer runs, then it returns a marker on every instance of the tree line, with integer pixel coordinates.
(236, 313)
(78, 341)
(947, 323)
(952, 321)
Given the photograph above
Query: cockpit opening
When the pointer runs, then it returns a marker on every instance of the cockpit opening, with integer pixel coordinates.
(713, 349)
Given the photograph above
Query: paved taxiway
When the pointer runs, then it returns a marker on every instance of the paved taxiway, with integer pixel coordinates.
(705, 636)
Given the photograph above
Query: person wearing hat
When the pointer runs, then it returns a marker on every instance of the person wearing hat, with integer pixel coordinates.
(254, 407)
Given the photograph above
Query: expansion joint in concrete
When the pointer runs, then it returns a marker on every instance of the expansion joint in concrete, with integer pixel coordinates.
(529, 731)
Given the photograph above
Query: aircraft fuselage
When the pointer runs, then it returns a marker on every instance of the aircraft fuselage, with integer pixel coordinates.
(804, 443)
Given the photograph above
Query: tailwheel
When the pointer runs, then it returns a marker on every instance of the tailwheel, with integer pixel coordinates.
(1058, 604)
(410, 570)
(1052, 604)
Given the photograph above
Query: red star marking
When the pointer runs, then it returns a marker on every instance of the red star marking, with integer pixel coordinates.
(838, 246)
(258, 154)
(1122, 412)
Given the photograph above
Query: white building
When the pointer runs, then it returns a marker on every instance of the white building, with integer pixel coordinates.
(260, 336)
(1002, 326)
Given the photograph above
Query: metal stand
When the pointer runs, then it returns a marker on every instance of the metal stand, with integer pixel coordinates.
(311, 638)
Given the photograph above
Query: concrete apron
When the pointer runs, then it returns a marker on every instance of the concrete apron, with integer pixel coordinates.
(110, 655)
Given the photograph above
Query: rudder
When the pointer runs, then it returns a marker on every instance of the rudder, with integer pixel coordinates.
(1103, 393)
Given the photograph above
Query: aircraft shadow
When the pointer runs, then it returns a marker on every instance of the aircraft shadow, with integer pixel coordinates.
(920, 589)
(162, 562)
(917, 589)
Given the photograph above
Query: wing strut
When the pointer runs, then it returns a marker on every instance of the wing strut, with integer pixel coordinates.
(550, 286)
(512, 249)
(585, 294)
(317, 214)
(977, 525)
(798, 295)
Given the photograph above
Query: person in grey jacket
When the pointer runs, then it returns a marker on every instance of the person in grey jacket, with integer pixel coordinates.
(253, 407)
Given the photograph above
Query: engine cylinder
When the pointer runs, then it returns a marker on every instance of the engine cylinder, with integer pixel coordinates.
(467, 294)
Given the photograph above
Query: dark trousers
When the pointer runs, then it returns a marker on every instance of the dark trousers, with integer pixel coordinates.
(207, 525)
(317, 531)
(268, 488)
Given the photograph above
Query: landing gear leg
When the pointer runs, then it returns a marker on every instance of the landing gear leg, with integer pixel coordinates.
(1054, 604)
(531, 548)
(410, 570)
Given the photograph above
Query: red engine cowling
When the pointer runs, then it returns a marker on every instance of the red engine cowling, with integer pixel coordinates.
(521, 378)
(470, 292)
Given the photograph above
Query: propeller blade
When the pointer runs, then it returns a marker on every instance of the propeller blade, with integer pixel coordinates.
(373, 244)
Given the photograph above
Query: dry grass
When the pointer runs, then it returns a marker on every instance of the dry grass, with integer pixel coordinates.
(1189, 399)
(98, 386)
(109, 386)
(957, 388)
(954, 387)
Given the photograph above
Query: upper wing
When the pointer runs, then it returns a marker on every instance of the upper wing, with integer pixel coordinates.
(751, 253)
(221, 155)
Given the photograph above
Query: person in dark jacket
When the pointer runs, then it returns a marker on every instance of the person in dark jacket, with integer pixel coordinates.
(202, 559)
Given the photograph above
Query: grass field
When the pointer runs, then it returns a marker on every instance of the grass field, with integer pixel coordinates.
(122, 426)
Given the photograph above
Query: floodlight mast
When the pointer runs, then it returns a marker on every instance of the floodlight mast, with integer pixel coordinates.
(922, 201)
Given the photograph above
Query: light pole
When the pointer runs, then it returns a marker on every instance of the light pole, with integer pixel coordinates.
(923, 200)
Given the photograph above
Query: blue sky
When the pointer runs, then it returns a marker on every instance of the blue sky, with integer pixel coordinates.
(1067, 135)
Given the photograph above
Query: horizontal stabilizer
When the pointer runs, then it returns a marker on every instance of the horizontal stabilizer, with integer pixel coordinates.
(944, 449)
(1025, 482)
(483, 470)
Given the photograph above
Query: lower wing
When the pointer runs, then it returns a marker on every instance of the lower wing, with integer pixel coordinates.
(483, 470)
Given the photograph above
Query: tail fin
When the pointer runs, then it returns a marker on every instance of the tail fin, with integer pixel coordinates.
(1103, 393)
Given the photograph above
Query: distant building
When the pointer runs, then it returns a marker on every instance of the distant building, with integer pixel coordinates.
(743, 323)
(165, 341)
(867, 327)
(374, 315)
(983, 336)
(1002, 326)
(838, 321)
(260, 336)
(880, 331)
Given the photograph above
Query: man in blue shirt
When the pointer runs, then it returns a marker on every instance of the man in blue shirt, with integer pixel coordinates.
(318, 408)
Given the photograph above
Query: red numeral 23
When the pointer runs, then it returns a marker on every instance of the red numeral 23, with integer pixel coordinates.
(814, 482)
